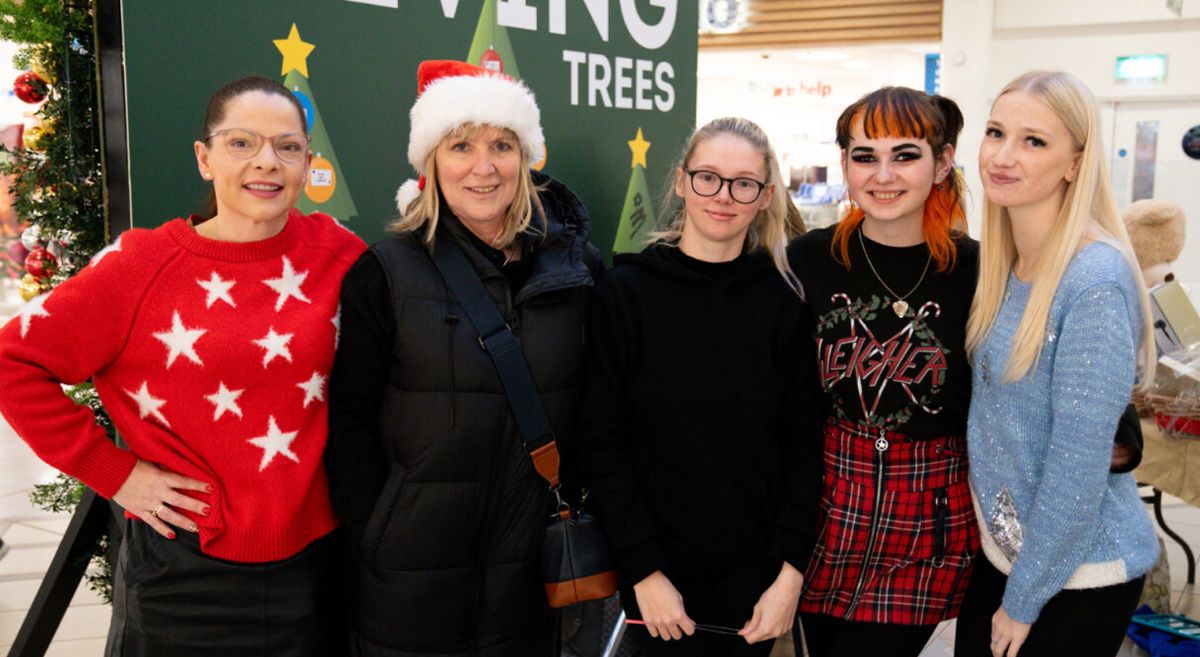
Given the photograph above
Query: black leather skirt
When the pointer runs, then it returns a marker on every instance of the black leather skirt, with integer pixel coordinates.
(171, 599)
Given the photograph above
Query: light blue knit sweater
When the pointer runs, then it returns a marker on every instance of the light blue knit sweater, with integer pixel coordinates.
(1050, 513)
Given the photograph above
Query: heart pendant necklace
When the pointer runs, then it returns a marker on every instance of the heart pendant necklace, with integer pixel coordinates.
(899, 306)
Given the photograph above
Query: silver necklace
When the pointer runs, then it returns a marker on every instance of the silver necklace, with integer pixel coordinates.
(899, 306)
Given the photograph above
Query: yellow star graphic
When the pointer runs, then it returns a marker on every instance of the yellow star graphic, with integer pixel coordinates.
(639, 146)
(295, 52)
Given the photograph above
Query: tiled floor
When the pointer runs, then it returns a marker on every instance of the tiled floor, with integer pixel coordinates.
(32, 536)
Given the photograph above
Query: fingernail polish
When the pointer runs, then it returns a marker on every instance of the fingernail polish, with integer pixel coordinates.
(207, 488)
(204, 511)
(171, 535)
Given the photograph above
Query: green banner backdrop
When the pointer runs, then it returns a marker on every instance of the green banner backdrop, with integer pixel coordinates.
(615, 81)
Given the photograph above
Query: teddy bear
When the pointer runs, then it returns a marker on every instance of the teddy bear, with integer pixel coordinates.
(1156, 230)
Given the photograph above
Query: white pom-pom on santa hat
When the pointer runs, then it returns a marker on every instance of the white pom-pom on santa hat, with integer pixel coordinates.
(407, 193)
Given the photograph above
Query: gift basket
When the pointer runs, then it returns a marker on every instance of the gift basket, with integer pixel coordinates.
(1175, 398)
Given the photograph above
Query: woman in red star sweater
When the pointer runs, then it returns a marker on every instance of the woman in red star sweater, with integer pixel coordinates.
(209, 341)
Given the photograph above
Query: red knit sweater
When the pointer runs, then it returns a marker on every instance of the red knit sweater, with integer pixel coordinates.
(211, 357)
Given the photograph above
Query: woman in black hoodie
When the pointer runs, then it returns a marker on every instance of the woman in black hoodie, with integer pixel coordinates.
(701, 428)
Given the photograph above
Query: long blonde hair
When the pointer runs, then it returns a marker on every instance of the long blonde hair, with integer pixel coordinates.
(1089, 212)
(423, 211)
(773, 227)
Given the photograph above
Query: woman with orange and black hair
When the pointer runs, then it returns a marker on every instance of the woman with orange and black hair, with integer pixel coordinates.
(890, 286)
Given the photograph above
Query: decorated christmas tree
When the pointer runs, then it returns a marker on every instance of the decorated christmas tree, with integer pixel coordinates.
(57, 184)
(326, 189)
(636, 215)
(491, 48)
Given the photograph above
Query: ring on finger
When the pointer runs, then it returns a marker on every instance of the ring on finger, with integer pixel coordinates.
(158, 509)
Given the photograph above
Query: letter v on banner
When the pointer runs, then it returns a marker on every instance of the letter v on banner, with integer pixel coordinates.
(449, 7)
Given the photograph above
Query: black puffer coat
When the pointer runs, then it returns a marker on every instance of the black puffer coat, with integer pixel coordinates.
(425, 463)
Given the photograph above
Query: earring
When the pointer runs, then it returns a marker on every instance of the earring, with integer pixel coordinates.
(207, 176)
(941, 186)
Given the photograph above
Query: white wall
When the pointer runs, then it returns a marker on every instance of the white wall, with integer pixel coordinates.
(1092, 58)
(1059, 13)
(966, 58)
(993, 41)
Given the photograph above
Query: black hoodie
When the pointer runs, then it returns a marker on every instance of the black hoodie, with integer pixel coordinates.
(701, 435)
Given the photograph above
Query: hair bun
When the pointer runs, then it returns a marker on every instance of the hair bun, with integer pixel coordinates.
(951, 115)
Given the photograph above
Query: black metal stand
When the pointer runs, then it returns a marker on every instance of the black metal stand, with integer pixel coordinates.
(110, 47)
(66, 570)
(1155, 499)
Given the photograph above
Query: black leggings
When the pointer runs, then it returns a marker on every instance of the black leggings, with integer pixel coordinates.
(827, 636)
(1083, 622)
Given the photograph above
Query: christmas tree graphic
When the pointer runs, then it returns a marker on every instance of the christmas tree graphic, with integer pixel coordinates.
(491, 48)
(326, 190)
(636, 221)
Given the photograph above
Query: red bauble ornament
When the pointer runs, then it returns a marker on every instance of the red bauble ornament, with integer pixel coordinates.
(41, 263)
(30, 87)
(491, 61)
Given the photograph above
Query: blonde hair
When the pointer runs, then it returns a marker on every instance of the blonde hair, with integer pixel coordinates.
(772, 228)
(423, 211)
(1089, 212)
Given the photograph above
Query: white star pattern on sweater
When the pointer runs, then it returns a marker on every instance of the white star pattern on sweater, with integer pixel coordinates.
(111, 248)
(148, 404)
(275, 442)
(32, 309)
(276, 346)
(218, 290)
(223, 400)
(314, 388)
(288, 284)
(180, 340)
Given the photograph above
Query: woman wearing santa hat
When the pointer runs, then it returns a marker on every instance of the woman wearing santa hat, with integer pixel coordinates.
(426, 465)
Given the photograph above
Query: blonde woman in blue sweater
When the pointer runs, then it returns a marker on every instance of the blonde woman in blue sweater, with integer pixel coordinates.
(1058, 335)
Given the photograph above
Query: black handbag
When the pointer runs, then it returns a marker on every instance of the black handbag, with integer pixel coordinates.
(576, 565)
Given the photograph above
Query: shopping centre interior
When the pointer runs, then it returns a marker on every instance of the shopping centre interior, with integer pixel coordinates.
(792, 66)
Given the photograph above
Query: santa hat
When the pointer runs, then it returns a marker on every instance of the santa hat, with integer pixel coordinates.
(1156, 231)
(451, 94)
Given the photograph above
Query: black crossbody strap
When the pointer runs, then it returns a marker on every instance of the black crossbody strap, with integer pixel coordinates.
(497, 339)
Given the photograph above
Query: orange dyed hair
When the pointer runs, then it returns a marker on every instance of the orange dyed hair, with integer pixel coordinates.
(904, 112)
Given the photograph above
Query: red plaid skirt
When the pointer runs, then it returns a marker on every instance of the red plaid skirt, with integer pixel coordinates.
(897, 532)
